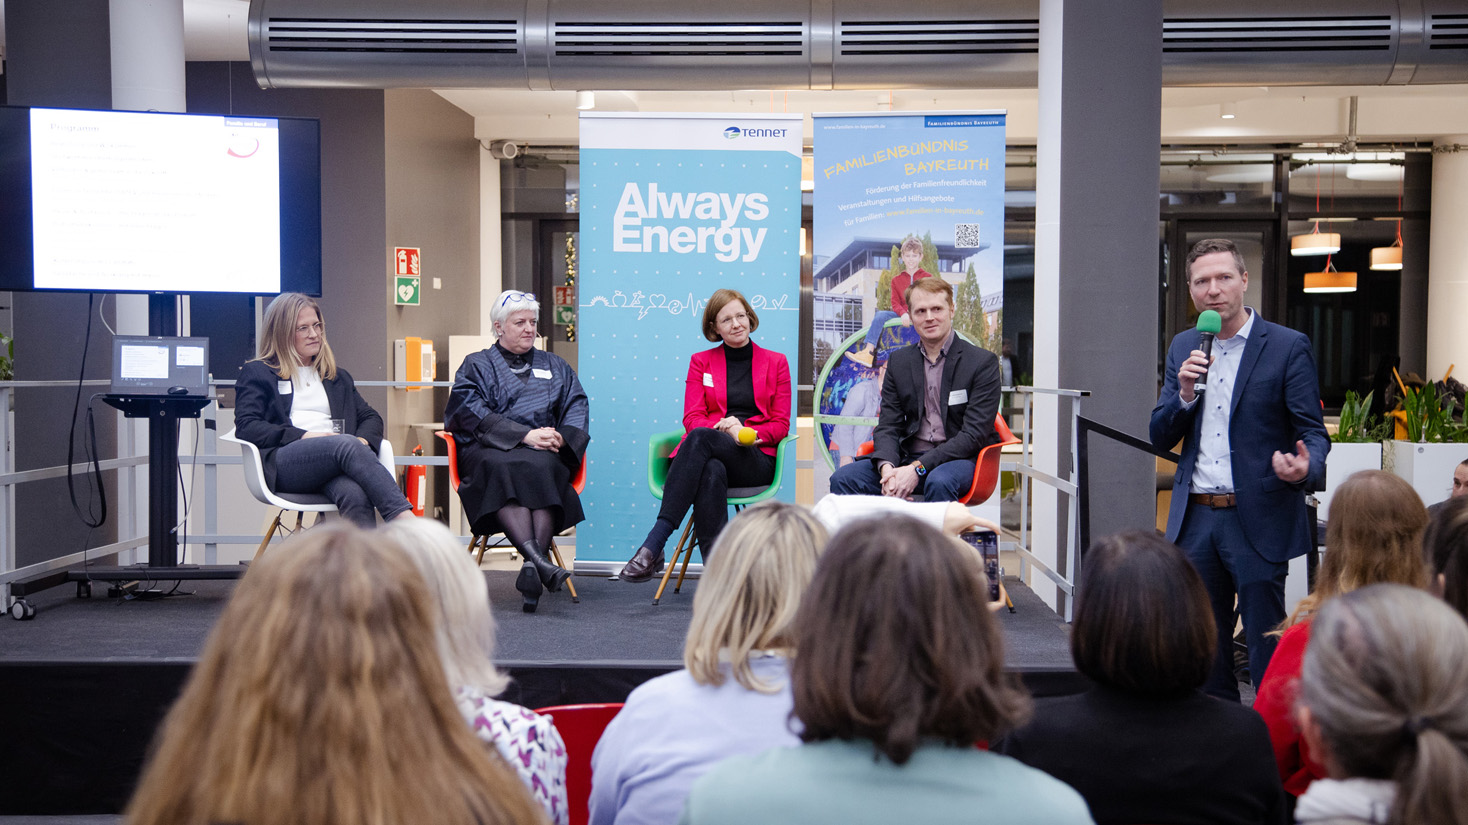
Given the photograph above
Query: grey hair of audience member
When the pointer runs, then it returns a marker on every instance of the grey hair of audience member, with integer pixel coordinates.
(1383, 689)
(464, 626)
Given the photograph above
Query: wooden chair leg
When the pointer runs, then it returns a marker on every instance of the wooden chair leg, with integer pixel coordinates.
(687, 557)
(483, 542)
(556, 557)
(269, 534)
(673, 562)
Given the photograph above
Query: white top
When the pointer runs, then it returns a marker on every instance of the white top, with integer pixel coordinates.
(528, 741)
(673, 730)
(1214, 470)
(836, 512)
(1343, 801)
(311, 409)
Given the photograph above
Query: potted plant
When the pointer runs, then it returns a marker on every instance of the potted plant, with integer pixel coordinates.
(1431, 438)
(1355, 445)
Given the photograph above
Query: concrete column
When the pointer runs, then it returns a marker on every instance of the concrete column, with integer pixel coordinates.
(1096, 251)
(147, 39)
(1447, 268)
(491, 261)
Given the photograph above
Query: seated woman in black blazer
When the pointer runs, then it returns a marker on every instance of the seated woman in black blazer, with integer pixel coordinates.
(285, 403)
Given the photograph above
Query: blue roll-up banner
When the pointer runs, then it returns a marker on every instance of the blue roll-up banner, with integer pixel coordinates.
(932, 181)
(673, 207)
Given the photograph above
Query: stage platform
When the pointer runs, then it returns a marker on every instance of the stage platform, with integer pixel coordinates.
(84, 684)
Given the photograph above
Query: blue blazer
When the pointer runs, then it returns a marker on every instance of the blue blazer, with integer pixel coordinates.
(1276, 402)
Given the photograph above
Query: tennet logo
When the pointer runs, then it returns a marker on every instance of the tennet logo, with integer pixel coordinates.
(734, 132)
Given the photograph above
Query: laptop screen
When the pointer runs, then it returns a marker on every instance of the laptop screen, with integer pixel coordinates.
(144, 365)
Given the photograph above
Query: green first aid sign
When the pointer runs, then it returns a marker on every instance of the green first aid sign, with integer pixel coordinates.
(406, 291)
(565, 316)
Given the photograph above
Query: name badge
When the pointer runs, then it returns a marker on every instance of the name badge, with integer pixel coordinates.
(283, 387)
(957, 397)
(538, 373)
(708, 379)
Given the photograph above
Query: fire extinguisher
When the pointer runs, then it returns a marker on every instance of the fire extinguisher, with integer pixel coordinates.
(415, 483)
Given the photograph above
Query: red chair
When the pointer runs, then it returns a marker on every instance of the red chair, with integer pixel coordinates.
(481, 542)
(581, 728)
(986, 469)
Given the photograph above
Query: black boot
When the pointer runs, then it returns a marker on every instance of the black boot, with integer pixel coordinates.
(550, 575)
(528, 583)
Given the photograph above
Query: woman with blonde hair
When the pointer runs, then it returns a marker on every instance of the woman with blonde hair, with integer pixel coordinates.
(1374, 535)
(733, 696)
(1382, 702)
(320, 698)
(464, 628)
(316, 433)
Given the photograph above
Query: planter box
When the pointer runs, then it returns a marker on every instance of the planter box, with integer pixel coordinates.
(1345, 459)
(1427, 467)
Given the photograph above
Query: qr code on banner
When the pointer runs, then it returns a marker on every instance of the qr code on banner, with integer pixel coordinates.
(966, 235)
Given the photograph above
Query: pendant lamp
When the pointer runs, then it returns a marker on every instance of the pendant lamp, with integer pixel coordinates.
(1316, 242)
(1330, 280)
(1390, 257)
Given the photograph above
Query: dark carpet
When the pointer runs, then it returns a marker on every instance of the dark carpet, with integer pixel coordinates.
(614, 622)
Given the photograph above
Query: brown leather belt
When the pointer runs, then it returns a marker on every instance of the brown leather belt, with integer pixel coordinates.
(1214, 500)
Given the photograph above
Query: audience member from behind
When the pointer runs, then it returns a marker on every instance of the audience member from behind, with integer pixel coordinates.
(899, 674)
(320, 698)
(1374, 534)
(1146, 744)
(734, 695)
(1446, 546)
(1384, 702)
(465, 630)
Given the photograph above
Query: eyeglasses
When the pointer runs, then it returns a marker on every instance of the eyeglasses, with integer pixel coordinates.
(514, 297)
(306, 329)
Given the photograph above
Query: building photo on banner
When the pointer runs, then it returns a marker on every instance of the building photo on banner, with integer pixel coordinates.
(898, 198)
(673, 207)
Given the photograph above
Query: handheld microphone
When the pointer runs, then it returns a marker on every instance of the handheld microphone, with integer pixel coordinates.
(747, 436)
(1210, 323)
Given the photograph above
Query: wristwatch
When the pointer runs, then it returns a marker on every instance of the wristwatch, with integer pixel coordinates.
(918, 467)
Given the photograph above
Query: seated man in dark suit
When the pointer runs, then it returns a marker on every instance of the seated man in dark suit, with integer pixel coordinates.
(939, 400)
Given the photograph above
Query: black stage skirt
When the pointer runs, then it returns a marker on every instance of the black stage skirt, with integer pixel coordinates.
(490, 478)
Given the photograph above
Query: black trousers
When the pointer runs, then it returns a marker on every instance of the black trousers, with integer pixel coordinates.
(706, 466)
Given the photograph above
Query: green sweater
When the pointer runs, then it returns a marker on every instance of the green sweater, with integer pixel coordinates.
(843, 782)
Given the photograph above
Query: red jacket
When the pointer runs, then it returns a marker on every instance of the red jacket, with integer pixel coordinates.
(706, 398)
(900, 282)
(1275, 701)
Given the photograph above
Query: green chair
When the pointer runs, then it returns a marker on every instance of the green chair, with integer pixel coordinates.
(659, 455)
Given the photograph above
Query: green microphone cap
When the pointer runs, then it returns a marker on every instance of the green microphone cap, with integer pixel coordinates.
(1210, 321)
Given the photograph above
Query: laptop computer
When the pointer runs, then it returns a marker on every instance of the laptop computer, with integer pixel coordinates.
(149, 366)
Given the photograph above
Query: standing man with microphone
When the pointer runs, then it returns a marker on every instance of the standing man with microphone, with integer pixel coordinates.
(1253, 445)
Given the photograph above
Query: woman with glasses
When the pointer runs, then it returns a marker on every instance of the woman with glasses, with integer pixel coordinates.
(735, 386)
(316, 433)
(519, 418)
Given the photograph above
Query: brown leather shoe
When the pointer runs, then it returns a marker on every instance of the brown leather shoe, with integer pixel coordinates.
(643, 566)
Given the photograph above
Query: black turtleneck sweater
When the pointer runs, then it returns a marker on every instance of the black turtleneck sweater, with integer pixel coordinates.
(739, 372)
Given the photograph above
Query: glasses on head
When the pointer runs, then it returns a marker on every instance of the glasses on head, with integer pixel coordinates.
(306, 329)
(510, 298)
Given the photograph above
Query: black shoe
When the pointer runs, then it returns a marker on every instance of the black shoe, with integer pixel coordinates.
(550, 575)
(643, 566)
(528, 583)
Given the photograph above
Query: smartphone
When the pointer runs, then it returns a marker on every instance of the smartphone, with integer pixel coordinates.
(987, 543)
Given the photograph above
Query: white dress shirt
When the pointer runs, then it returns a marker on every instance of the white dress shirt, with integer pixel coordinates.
(1213, 472)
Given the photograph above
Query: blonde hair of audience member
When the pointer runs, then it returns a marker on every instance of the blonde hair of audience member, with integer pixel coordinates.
(278, 335)
(320, 698)
(1382, 697)
(750, 591)
(896, 644)
(464, 625)
(1374, 535)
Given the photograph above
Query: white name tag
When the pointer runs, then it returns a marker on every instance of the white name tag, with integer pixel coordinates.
(708, 379)
(540, 373)
(283, 387)
(957, 397)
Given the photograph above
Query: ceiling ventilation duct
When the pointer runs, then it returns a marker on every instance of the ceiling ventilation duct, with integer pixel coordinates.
(826, 44)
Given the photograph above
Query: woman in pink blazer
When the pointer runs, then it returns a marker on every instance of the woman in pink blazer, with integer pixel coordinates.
(733, 386)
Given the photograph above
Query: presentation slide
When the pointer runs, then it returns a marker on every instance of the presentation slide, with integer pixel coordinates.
(134, 201)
